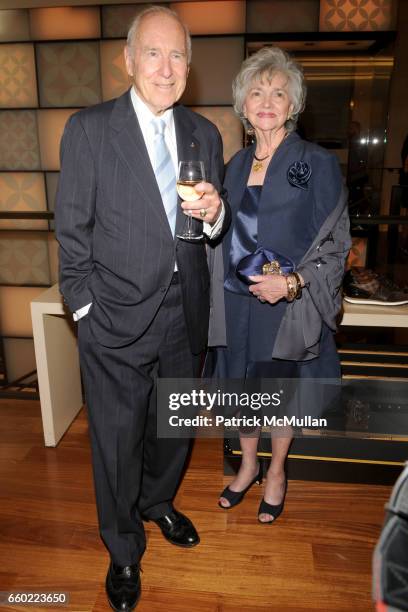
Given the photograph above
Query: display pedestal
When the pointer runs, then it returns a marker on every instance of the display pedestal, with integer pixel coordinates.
(374, 316)
(57, 359)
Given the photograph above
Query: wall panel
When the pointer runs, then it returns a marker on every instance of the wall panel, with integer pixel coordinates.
(18, 83)
(208, 86)
(19, 148)
(229, 125)
(24, 258)
(116, 19)
(68, 74)
(115, 80)
(22, 192)
(356, 15)
(14, 25)
(208, 18)
(51, 125)
(15, 314)
(65, 22)
(282, 16)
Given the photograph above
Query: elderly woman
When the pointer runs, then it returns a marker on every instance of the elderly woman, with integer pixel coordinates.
(289, 205)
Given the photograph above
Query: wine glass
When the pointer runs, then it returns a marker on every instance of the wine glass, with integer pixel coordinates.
(190, 173)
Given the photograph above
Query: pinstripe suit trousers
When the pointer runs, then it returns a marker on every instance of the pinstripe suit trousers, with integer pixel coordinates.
(135, 473)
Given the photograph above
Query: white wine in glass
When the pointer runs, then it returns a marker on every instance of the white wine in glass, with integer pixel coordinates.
(186, 191)
(190, 173)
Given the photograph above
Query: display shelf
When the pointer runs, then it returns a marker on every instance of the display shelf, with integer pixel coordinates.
(374, 316)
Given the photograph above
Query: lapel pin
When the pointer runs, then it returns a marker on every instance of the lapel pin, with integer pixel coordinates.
(192, 145)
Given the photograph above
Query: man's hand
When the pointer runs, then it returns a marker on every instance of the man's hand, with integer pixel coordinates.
(269, 287)
(208, 207)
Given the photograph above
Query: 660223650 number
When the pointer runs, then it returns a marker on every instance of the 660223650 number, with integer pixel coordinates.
(27, 598)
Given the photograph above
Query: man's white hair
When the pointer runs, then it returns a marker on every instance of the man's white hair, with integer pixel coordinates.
(155, 10)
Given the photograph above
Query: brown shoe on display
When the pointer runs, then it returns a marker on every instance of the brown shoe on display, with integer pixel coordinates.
(363, 286)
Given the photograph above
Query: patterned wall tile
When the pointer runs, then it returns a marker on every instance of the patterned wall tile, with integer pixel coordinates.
(280, 16)
(14, 25)
(68, 74)
(199, 16)
(15, 314)
(206, 86)
(19, 141)
(24, 259)
(115, 80)
(356, 15)
(18, 83)
(65, 22)
(116, 19)
(22, 191)
(229, 125)
(51, 125)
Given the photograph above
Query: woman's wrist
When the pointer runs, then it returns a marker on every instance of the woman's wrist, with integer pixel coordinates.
(302, 280)
(294, 286)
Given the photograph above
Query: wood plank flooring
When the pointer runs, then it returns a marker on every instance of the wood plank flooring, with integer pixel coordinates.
(317, 557)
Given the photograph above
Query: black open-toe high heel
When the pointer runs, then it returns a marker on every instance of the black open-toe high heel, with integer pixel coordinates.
(273, 510)
(235, 497)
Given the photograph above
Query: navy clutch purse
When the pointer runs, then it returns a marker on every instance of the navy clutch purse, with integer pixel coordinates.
(263, 261)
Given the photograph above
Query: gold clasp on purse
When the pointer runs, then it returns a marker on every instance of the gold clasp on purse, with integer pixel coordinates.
(272, 267)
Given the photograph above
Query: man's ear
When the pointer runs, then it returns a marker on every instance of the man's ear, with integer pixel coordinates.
(128, 61)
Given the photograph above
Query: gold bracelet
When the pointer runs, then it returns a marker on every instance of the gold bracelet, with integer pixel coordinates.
(299, 283)
(292, 284)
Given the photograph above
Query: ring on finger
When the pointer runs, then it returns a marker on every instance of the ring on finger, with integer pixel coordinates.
(203, 213)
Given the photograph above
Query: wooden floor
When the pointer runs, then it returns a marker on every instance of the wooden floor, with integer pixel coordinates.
(316, 557)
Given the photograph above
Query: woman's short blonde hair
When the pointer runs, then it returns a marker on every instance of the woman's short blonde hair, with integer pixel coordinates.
(269, 61)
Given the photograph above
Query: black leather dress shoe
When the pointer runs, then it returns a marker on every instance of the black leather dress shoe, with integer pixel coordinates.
(123, 587)
(178, 529)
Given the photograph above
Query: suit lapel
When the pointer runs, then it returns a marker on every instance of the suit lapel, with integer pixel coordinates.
(128, 142)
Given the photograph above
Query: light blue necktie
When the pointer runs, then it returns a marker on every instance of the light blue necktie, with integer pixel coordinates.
(164, 171)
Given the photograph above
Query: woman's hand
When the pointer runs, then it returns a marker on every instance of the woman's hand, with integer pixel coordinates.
(269, 287)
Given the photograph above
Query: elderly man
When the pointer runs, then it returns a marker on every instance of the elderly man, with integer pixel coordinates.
(140, 295)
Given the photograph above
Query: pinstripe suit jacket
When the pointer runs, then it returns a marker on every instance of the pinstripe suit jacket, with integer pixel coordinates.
(116, 247)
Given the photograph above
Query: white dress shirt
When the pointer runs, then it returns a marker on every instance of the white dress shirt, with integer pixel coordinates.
(144, 116)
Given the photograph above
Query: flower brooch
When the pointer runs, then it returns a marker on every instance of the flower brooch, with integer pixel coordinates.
(299, 174)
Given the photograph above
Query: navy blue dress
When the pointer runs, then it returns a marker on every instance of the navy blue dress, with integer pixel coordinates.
(286, 220)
